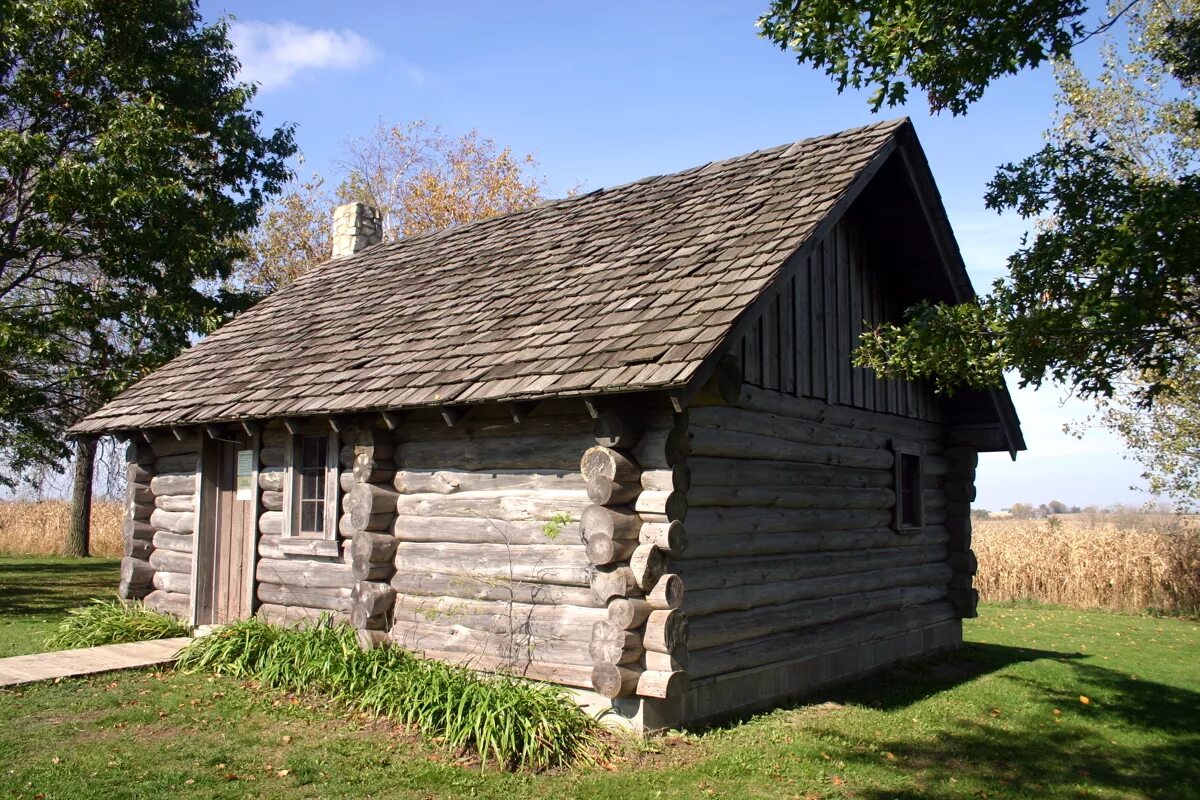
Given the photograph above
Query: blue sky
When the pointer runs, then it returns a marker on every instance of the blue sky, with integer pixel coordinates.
(605, 93)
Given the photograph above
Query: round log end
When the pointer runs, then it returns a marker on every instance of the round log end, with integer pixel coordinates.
(666, 631)
(610, 582)
(603, 491)
(628, 612)
(611, 680)
(653, 683)
(612, 464)
(667, 593)
(648, 564)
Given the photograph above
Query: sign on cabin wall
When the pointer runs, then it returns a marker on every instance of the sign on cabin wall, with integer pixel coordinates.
(245, 466)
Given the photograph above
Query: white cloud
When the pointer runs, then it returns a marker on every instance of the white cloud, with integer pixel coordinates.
(272, 53)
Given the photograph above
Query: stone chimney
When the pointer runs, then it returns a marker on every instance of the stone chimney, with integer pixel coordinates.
(355, 226)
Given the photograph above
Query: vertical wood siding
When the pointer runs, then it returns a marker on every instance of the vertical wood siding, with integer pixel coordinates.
(802, 343)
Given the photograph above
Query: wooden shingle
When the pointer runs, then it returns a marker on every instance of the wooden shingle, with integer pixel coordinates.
(565, 298)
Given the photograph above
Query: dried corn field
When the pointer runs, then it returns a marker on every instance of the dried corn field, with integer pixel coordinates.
(39, 528)
(1121, 562)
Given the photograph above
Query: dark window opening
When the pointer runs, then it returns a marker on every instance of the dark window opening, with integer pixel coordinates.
(311, 472)
(910, 510)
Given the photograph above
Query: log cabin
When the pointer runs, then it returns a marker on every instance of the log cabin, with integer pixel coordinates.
(614, 442)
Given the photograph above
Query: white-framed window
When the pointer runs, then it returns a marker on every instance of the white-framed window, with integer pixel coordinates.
(909, 486)
(312, 501)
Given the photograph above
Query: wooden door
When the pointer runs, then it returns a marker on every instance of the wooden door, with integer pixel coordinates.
(225, 569)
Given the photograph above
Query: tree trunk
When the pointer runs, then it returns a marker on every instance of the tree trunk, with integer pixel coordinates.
(79, 532)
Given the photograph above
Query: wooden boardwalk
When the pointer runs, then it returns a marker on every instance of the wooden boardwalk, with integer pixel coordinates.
(69, 663)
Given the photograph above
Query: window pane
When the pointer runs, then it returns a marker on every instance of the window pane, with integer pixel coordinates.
(312, 452)
(312, 516)
(910, 489)
(310, 484)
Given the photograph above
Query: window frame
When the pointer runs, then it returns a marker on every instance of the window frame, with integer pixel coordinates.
(908, 472)
(292, 485)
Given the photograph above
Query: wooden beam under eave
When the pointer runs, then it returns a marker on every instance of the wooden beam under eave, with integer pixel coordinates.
(336, 424)
(453, 414)
(521, 410)
(251, 427)
(593, 405)
(391, 419)
(290, 425)
(213, 431)
(177, 432)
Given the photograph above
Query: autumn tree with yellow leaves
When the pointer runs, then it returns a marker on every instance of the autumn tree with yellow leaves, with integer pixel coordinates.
(420, 179)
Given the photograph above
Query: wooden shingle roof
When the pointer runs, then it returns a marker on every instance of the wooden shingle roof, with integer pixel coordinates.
(622, 289)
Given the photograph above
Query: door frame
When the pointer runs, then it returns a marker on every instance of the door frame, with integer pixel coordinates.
(205, 531)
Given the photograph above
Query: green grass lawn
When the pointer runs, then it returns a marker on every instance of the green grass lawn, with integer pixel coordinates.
(1004, 717)
(35, 594)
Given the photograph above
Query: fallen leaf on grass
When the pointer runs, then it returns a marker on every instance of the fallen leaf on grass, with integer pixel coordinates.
(1085, 700)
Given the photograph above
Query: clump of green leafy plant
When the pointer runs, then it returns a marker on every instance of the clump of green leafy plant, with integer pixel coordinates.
(114, 622)
(518, 724)
(558, 520)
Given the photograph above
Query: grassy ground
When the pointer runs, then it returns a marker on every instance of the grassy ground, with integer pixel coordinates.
(1004, 717)
(35, 594)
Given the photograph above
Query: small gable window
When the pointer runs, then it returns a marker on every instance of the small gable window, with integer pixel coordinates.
(909, 487)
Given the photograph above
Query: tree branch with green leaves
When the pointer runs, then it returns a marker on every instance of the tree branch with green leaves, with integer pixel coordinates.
(1104, 294)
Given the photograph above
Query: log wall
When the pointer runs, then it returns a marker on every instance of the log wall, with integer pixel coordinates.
(801, 345)
(636, 482)
(160, 522)
(791, 551)
(483, 574)
(642, 553)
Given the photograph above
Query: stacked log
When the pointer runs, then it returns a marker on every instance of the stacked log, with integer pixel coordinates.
(172, 487)
(791, 550)
(490, 569)
(138, 535)
(959, 490)
(368, 514)
(631, 530)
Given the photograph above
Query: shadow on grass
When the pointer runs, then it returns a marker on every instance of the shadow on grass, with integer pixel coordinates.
(911, 682)
(1144, 739)
(51, 586)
